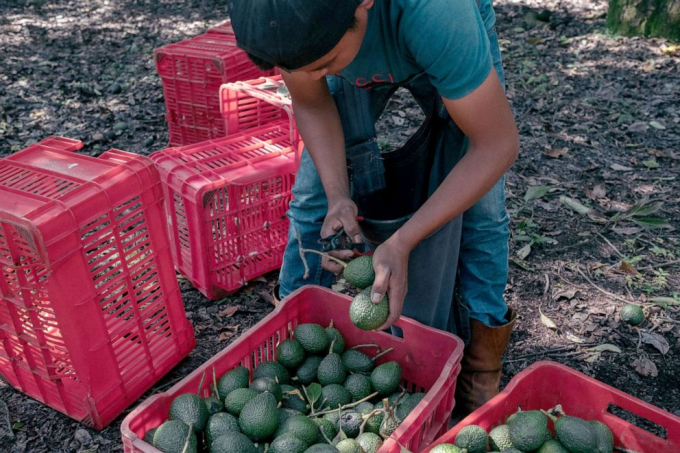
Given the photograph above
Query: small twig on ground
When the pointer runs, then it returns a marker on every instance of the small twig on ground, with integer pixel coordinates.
(656, 266)
(613, 296)
(639, 344)
(549, 353)
(612, 246)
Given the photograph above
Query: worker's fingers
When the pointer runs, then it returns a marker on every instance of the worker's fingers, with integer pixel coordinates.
(396, 293)
(352, 228)
(381, 282)
(333, 266)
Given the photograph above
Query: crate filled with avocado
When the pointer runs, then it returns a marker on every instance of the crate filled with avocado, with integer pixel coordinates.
(307, 379)
(551, 408)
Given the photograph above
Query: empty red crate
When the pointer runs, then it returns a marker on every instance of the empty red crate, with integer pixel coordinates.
(545, 384)
(223, 28)
(192, 72)
(430, 361)
(255, 103)
(90, 315)
(227, 202)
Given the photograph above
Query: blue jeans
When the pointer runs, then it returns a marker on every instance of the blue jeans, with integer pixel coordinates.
(482, 255)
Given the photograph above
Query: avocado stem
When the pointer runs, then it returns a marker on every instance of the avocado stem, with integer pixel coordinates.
(367, 418)
(332, 258)
(549, 415)
(330, 351)
(366, 346)
(346, 406)
(200, 385)
(186, 442)
(217, 391)
(382, 354)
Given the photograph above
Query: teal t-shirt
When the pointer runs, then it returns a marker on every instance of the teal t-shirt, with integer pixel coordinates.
(446, 39)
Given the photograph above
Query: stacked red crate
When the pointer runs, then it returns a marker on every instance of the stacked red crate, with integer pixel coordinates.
(90, 311)
(227, 197)
(192, 72)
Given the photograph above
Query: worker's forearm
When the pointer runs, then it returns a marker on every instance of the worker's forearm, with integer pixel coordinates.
(321, 130)
(470, 180)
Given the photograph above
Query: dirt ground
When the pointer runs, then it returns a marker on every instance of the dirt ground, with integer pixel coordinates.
(593, 198)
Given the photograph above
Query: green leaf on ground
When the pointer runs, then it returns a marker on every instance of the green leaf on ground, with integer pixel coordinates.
(535, 192)
(607, 347)
(652, 223)
(644, 208)
(664, 301)
(575, 205)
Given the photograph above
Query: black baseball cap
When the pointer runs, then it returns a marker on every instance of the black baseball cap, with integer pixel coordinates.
(290, 34)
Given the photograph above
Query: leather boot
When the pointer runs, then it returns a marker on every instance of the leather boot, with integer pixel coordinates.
(481, 364)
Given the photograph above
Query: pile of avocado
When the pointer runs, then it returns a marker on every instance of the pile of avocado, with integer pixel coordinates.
(316, 397)
(527, 431)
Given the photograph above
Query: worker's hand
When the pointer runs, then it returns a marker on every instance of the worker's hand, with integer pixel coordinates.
(390, 262)
(342, 213)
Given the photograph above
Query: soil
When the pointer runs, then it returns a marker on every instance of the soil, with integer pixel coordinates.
(599, 119)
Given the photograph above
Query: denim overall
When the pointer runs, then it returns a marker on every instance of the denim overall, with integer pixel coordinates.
(387, 200)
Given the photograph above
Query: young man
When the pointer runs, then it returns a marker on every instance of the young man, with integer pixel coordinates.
(341, 61)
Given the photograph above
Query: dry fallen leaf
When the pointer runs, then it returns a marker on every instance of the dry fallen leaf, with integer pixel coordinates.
(617, 167)
(645, 367)
(597, 192)
(524, 251)
(656, 340)
(556, 153)
(229, 311)
(547, 321)
(228, 333)
(607, 347)
(626, 268)
(575, 339)
(565, 294)
(268, 297)
(627, 231)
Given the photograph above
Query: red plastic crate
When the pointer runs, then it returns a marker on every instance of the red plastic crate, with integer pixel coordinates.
(223, 28)
(255, 103)
(227, 202)
(192, 72)
(90, 315)
(430, 361)
(545, 384)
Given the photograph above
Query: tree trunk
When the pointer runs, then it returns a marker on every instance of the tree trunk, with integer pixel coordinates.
(645, 17)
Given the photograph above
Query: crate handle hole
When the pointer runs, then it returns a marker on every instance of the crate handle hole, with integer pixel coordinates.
(640, 422)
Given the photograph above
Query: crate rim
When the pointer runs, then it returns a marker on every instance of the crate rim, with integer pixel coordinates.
(549, 364)
(451, 363)
(515, 381)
